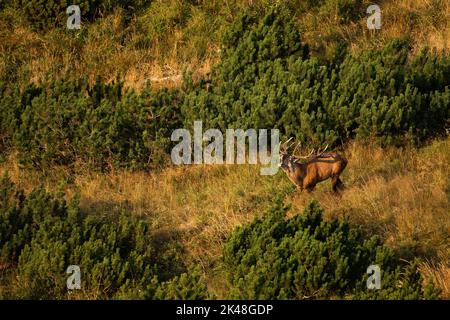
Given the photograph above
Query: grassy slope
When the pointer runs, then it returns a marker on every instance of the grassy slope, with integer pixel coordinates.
(401, 195)
(173, 35)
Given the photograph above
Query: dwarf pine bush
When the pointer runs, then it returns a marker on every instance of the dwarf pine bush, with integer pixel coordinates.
(267, 78)
(101, 126)
(307, 257)
(41, 235)
(47, 14)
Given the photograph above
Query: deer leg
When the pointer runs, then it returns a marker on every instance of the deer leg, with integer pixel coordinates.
(340, 184)
(336, 183)
(310, 188)
(299, 186)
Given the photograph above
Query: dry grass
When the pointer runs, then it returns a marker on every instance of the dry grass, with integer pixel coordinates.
(403, 195)
(143, 54)
(424, 22)
(200, 205)
(107, 48)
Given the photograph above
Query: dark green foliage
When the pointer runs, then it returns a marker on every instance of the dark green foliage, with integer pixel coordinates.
(41, 235)
(46, 14)
(189, 285)
(306, 257)
(103, 126)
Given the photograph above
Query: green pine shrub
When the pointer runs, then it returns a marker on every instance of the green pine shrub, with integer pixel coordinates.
(47, 14)
(41, 235)
(101, 126)
(267, 79)
(307, 257)
(187, 286)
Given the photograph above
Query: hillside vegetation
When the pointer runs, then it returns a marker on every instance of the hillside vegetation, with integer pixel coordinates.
(85, 124)
(400, 195)
(267, 78)
(155, 40)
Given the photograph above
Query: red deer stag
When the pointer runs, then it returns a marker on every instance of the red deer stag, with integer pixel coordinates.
(307, 171)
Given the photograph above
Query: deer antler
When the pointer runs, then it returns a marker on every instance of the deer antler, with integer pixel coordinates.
(284, 143)
(295, 149)
(317, 154)
(306, 157)
(284, 146)
(321, 152)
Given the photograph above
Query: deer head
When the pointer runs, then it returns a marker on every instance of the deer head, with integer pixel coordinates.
(288, 159)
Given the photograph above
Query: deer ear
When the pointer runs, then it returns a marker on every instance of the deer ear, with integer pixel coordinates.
(297, 160)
